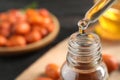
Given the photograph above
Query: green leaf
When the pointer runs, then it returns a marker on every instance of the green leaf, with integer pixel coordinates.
(33, 5)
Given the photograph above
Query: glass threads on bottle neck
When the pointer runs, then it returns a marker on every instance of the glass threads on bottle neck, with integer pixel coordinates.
(84, 51)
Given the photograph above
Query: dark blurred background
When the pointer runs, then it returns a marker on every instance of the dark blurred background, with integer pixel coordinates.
(67, 11)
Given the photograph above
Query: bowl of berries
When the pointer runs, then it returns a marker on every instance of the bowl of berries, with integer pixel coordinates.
(24, 31)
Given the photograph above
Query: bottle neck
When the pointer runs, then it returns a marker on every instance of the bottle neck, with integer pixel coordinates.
(84, 51)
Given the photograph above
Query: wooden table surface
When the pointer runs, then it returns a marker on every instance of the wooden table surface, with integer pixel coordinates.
(57, 55)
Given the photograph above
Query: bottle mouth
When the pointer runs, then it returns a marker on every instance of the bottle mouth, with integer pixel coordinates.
(84, 44)
(84, 50)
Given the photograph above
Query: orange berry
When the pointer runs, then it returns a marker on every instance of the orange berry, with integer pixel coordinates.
(50, 27)
(12, 15)
(5, 25)
(10, 43)
(5, 28)
(42, 30)
(16, 41)
(111, 62)
(3, 40)
(52, 71)
(22, 28)
(12, 18)
(44, 12)
(3, 17)
(21, 18)
(33, 16)
(5, 32)
(33, 36)
(46, 21)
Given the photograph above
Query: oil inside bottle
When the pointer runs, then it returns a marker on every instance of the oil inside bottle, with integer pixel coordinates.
(98, 74)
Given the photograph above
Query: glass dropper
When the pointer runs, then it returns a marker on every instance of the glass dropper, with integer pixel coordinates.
(93, 13)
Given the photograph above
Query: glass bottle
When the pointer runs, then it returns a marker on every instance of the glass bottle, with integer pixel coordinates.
(84, 61)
